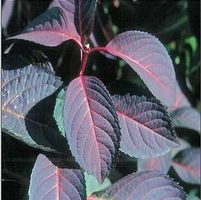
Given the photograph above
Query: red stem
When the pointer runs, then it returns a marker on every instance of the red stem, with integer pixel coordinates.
(95, 49)
(85, 56)
(84, 62)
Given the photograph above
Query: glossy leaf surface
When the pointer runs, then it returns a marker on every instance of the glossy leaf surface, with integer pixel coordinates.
(91, 125)
(145, 126)
(50, 29)
(50, 182)
(187, 117)
(161, 163)
(22, 89)
(146, 185)
(149, 58)
(187, 165)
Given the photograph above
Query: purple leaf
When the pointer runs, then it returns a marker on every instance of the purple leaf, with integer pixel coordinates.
(145, 126)
(81, 13)
(102, 32)
(148, 57)
(7, 11)
(183, 144)
(187, 165)
(180, 100)
(50, 29)
(161, 163)
(50, 182)
(146, 185)
(91, 125)
(187, 117)
(22, 89)
(84, 18)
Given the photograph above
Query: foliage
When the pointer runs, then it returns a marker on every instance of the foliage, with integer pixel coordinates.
(88, 139)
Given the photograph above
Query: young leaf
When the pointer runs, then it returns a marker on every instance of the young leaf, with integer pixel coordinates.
(92, 185)
(148, 57)
(50, 29)
(91, 125)
(187, 117)
(187, 165)
(22, 89)
(50, 182)
(161, 163)
(146, 185)
(84, 18)
(145, 126)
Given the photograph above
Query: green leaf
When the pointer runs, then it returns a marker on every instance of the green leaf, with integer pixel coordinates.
(193, 195)
(192, 42)
(92, 184)
(58, 111)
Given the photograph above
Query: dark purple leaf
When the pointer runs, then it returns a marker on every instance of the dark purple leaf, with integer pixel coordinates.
(81, 13)
(149, 58)
(187, 165)
(187, 117)
(91, 125)
(22, 89)
(161, 163)
(50, 29)
(146, 185)
(50, 182)
(84, 18)
(145, 126)
(103, 32)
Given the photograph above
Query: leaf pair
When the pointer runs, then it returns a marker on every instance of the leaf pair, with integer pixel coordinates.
(50, 182)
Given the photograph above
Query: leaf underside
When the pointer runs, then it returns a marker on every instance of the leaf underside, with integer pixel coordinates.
(161, 163)
(187, 165)
(180, 99)
(145, 126)
(50, 29)
(91, 125)
(187, 117)
(50, 182)
(22, 89)
(146, 185)
(149, 58)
